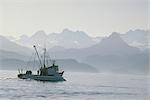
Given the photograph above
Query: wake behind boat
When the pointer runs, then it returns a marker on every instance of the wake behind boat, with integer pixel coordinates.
(45, 73)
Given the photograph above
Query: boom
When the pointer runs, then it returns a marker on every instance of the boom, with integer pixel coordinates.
(37, 55)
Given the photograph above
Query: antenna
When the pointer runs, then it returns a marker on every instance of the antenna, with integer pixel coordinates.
(37, 55)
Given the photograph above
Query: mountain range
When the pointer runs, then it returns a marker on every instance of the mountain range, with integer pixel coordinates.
(113, 53)
(79, 39)
(112, 45)
(137, 38)
(66, 39)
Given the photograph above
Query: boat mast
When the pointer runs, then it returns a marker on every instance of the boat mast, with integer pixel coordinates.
(44, 56)
(37, 55)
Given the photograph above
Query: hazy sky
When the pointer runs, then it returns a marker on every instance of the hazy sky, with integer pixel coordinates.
(96, 17)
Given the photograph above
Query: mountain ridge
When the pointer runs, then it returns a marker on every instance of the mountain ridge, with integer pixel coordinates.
(112, 52)
(79, 39)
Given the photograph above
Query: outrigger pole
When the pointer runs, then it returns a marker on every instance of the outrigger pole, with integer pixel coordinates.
(37, 55)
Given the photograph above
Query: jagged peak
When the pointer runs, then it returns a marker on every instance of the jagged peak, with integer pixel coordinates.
(24, 36)
(114, 35)
(114, 38)
(66, 30)
(74, 33)
(39, 33)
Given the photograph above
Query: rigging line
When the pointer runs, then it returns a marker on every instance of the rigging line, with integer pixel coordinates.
(49, 54)
(28, 62)
(49, 58)
(38, 55)
(48, 50)
(34, 61)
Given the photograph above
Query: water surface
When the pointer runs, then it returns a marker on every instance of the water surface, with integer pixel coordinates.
(79, 86)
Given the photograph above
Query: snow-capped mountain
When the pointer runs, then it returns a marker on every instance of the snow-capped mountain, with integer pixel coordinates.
(137, 38)
(66, 39)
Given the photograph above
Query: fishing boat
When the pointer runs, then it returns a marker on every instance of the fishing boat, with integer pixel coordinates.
(45, 72)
